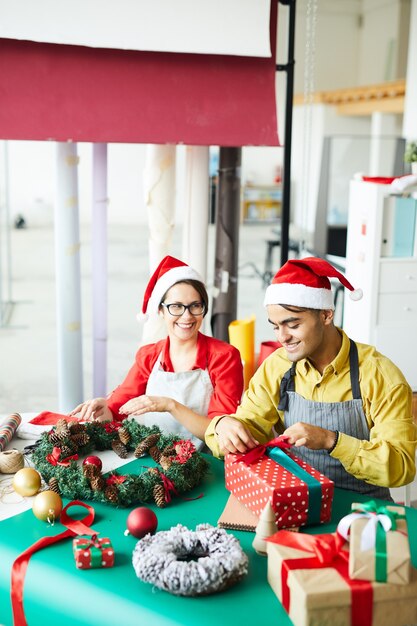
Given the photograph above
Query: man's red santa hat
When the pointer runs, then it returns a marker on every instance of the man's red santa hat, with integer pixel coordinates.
(305, 283)
(169, 272)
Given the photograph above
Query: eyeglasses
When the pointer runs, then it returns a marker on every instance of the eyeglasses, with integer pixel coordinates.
(177, 309)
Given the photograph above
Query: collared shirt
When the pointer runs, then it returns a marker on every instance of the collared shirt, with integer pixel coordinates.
(222, 361)
(388, 459)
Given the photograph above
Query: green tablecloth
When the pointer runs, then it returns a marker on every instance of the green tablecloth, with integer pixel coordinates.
(56, 592)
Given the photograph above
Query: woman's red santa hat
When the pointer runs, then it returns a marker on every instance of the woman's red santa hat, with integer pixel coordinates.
(305, 283)
(169, 272)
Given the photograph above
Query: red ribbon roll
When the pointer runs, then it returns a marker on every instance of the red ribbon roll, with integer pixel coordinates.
(74, 528)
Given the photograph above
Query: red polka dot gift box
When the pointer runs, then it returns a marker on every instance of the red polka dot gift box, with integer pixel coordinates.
(93, 552)
(299, 494)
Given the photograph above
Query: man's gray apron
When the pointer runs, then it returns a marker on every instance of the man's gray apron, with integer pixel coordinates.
(346, 417)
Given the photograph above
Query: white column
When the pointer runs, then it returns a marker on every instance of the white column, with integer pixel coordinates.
(68, 287)
(410, 104)
(159, 189)
(99, 269)
(196, 208)
(383, 128)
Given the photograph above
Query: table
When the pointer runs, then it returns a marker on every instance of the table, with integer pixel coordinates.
(56, 592)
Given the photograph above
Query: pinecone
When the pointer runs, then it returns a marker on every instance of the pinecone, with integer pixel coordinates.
(153, 470)
(62, 427)
(119, 448)
(111, 493)
(165, 462)
(91, 471)
(53, 485)
(143, 447)
(124, 435)
(169, 451)
(66, 451)
(159, 496)
(56, 438)
(76, 427)
(97, 483)
(155, 453)
(80, 439)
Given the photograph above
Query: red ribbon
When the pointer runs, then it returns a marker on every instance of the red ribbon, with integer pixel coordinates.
(94, 543)
(168, 486)
(112, 427)
(257, 453)
(327, 550)
(74, 528)
(53, 458)
(115, 479)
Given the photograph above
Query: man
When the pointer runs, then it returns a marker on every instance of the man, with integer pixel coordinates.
(345, 407)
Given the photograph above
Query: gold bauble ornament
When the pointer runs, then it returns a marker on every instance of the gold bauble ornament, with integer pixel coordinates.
(47, 506)
(27, 481)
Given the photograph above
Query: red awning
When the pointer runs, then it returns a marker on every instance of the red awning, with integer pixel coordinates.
(60, 92)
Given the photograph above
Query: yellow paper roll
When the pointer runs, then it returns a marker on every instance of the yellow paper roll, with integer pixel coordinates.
(242, 336)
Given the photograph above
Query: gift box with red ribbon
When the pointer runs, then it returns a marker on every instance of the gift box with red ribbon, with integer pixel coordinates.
(299, 494)
(310, 576)
(379, 544)
(93, 552)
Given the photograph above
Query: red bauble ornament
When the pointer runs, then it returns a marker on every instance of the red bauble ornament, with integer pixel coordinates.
(141, 521)
(93, 460)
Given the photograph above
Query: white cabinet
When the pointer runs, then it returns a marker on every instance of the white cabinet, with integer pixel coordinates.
(386, 317)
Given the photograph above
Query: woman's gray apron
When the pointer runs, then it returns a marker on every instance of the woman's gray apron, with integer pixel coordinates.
(346, 417)
(192, 388)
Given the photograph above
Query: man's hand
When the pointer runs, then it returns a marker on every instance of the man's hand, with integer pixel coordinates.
(145, 404)
(95, 410)
(312, 437)
(233, 436)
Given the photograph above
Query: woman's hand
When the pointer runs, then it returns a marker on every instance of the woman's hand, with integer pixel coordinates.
(95, 410)
(147, 404)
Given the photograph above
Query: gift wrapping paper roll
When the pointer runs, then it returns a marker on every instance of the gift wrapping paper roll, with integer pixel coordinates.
(242, 336)
(8, 428)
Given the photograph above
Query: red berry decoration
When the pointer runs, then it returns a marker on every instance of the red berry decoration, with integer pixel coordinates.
(141, 521)
(93, 460)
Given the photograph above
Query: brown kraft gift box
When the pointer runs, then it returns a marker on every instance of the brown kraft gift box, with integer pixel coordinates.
(321, 596)
(362, 563)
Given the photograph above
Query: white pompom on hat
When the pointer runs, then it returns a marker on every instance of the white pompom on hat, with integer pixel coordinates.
(169, 272)
(305, 283)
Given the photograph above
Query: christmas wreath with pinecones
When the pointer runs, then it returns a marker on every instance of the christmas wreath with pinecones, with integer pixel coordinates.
(178, 465)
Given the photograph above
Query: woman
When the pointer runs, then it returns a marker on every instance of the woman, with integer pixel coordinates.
(181, 382)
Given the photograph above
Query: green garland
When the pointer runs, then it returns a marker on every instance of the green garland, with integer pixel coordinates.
(176, 466)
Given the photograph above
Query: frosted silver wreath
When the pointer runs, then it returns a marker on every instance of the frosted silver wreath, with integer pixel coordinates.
(161, 560)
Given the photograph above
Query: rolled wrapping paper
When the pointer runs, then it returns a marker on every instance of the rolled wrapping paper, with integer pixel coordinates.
(242, 336)
(267, 348)
(8, 427)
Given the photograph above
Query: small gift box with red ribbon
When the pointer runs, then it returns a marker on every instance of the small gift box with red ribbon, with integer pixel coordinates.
(379, 545)
(299, 494)
(93, 552)
(310, 576)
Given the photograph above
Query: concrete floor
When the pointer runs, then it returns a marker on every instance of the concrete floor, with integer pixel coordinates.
(28, 343)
